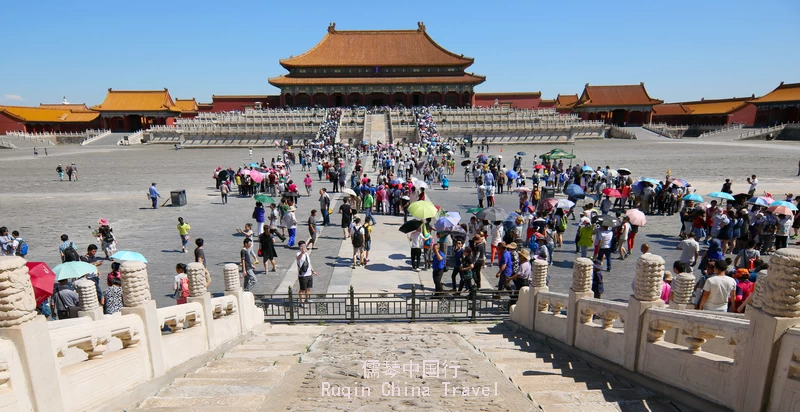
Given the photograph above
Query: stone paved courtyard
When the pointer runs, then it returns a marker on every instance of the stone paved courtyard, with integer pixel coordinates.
(114, 180)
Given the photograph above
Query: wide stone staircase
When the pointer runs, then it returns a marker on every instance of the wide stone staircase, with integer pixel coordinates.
(644, 134)
(246, 378)
(376, 129)
(316, 368)
(555, 380)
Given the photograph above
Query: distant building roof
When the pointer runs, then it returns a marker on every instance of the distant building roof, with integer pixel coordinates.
(369, 48)
(290, 81)
(615, 96)
(565, 101)
(509, 94)
(670, 109)
(785, 92)
(717, 106)
(239, 97)
(74, 107)
(137, 101)
(47, 115)
(187, 105)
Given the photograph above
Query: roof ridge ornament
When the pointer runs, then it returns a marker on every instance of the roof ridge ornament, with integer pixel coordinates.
(421, 26)
(332, 28)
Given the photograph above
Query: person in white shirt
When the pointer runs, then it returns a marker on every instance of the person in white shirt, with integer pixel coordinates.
(718, 290)
(624, 230)
(416, 239)
(753, 185)
(690, 251)
(602, 238)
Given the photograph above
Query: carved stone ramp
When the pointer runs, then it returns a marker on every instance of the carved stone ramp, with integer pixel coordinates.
(244, 378)
(553, 379)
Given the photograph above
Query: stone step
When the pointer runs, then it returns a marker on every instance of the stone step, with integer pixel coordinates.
(229, 403)
(240, 374)
(597, 395)
(289, 347)
(653, 406)
(255, 354)
(535, 384)
(211, 388)
(255, 365)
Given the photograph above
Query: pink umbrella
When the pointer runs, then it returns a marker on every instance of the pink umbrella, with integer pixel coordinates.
(548, 204)
(781, 210)
(256, 176)
(637, 217)
(612, 192)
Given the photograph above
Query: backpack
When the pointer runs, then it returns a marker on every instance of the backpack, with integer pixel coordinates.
(562, 223)
(22, 249)
(358, 237)
(70, 254)
(184, 287)
(108, 237)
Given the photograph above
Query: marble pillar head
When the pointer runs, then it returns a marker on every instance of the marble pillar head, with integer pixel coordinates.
(539, 274)
(782, 286)
(682, 288)
(582, 275)
(87, 294)
(135, 283)
(197, 279)
(760, 291)
(17, 301)
(231, 273)
(649, 273)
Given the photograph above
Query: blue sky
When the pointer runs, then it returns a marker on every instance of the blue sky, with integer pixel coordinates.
(682, 50)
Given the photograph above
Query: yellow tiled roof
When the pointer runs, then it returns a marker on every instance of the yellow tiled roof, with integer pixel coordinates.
(137, 101)
(74, 107)
(288, 81)
(716, 107)
(789, 92)
(42, 115)
(186, 105)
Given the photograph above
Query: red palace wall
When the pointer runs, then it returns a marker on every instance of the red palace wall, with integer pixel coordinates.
(746, 115)
(518, 101)
(9, 124)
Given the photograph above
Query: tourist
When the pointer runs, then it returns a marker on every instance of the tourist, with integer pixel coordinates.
(325, 206)
(114, 274)
(597, 279)
(248, 266)
(458, 251)
(505, 263)
(64, 301)
(258, 215)
(312, 230)
(497, 238)
(180, 285)
(522, 278)
(367, 241)
(768, 225)
(290, 221)
(416, 239)
(7, 243)
(624, 231)
(267, 249)
(105, 235)
(67, 249)
(224, 189)
(585, 235)
(153, 194)
(304, 273)
(356, 232)
(183, 232)
(479, 258)
(690, 251)
(753, 185)
(783, 230)
(60, 171)
(746, 258)
(307, 182)
(603, 237)
(744, 288)
(368, 203)
(718, 290)
(113, 297)
(465, 268)
(438, 263)
(666, 286)
(347, 216)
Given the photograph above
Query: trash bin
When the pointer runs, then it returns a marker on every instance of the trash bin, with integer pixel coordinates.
(548, 192)
(178, 197)
(466, 153)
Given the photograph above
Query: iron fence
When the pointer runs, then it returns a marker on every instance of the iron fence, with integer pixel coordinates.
(413, 306)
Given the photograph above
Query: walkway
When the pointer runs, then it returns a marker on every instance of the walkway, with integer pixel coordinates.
(377, 128)
(644, 134)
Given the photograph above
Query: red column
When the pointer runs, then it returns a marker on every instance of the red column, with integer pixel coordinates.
(460, 100)
(408, 99)
(441, 98)
(282, 100)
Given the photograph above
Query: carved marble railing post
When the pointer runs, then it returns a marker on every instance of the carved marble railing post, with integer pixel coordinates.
(198, 293)
(538, 285)
(778, 298)
(682, 287)
(20, 325)
(233, 287)
(87, 299)
(581, 288)
(136, 300)
(646, 295)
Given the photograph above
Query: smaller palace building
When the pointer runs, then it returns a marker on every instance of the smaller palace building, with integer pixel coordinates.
(781, 105)
(619, 105)
(131, 110)
(375, 68)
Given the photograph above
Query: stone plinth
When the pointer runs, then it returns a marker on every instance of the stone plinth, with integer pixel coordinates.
(196, 273)
(646, 295)
(17, 302)
(87, 299)
(581, 289)
(135, 283)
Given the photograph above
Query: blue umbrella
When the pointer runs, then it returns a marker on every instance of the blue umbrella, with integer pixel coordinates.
(72, 270)
(694, 197)
(575, 191)
(759, 201)
(512, 174)
(521, 154)
(253, 164)
(396, 181)
(124, 255)
(587, 169)
(790, 205)
(721, 195)
(443, 224)
(654, 182)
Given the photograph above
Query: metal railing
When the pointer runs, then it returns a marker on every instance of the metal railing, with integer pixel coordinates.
(414, 306)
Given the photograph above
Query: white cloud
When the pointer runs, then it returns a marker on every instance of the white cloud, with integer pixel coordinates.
(13, 97)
